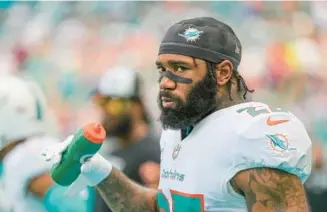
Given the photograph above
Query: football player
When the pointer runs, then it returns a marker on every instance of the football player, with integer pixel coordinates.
(219, 151)
(25, 182)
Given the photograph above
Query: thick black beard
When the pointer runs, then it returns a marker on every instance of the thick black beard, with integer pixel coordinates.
(201, 100)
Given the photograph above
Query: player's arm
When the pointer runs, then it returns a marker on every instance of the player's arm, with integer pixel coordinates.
(35, 179)
(270, 190)
(271, 162)
(40, 185)
(119, 192)
(122, 194)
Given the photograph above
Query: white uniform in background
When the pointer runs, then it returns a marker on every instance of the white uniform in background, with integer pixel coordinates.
(23, 113)
(20, 166)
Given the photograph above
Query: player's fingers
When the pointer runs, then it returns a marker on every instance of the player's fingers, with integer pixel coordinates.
(65, 143)
(48, 154)
(55, 159)
(53, 153)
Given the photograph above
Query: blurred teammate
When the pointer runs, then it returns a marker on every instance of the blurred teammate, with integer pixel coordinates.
(137, 150)
(218, 151)
(25, 184)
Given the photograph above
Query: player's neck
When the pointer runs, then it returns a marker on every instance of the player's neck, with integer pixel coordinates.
(227, 100)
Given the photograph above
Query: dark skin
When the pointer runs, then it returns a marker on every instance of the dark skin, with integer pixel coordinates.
(268, 190)
(264, 189)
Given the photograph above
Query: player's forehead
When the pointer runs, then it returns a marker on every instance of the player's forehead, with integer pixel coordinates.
(176, 59)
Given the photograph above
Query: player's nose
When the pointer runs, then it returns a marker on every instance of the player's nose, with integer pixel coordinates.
(167, 84)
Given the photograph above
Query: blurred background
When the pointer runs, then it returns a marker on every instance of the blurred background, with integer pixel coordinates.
(66, 46)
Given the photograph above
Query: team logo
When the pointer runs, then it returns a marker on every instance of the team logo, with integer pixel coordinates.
(279, 143)
(191, 34)
(176, 151)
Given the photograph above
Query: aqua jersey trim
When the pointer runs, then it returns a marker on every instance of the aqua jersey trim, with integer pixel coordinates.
(55, 200)
(188, 130)
(297, 171)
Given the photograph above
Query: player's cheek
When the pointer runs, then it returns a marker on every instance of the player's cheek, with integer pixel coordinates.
(182, 91)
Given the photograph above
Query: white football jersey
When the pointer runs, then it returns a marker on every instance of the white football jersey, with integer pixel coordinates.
(196, 172)
(20, 166)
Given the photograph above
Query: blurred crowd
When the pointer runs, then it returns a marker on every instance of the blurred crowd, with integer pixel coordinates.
(66, 46)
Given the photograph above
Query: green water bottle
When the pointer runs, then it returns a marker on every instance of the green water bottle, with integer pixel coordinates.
(85, 143)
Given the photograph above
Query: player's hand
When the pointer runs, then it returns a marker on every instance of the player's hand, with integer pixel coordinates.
(53, 153)
(93, 171)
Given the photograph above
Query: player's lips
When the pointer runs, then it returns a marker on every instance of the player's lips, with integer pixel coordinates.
(167, 102)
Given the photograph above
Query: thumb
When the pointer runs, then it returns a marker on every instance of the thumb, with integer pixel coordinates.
(53, 153)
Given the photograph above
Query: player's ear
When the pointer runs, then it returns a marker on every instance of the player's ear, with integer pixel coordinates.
(224, 72)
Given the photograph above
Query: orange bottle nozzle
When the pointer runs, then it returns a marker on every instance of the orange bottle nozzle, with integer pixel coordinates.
(95, 133)
(97, 128)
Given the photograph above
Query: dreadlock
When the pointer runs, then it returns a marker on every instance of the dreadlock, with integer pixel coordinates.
(241, 85)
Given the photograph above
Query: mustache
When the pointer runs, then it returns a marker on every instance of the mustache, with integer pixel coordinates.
(168, 95)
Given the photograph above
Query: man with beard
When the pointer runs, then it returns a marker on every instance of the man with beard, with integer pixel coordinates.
(219, 152)
(132, 145)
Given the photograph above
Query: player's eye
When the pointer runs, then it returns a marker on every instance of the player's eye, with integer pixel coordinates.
(181, 68)
(161, 69)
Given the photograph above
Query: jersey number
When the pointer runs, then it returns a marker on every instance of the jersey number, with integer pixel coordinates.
(181, 202)
(255, 111)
